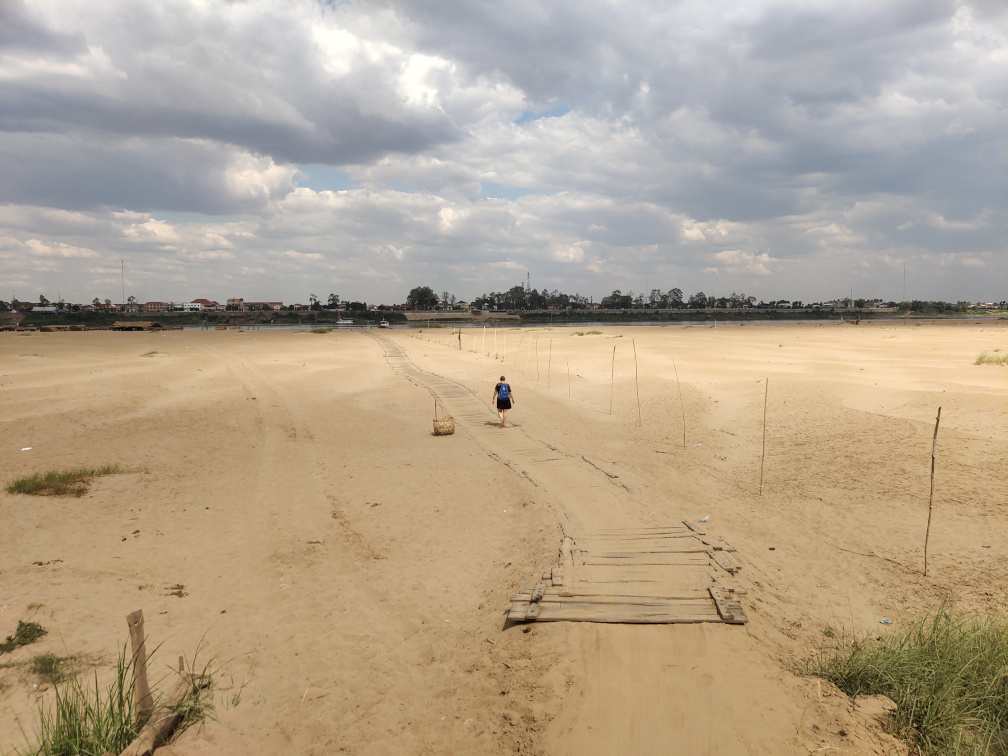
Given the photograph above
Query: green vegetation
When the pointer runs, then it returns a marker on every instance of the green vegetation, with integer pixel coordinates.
(50, 667)
(946, 672)
(321, 330)
(993, 357)
(151, 353)
(27, 632)
(83, 719)
(587, 333)
(62, 482)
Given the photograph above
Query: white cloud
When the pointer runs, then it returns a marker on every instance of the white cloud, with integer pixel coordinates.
(625, 143)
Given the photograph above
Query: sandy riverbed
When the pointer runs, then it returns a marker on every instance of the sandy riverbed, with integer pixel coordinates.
(346, 573)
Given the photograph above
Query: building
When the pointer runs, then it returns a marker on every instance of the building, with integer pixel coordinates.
(207, 304)
(236, 303)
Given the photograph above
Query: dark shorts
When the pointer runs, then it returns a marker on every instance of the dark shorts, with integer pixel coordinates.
(503, 403)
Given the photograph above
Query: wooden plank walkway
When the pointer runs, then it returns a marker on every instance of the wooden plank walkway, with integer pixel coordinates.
(604, 571)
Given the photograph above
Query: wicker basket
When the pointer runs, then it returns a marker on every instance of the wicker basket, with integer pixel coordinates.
(444, 426)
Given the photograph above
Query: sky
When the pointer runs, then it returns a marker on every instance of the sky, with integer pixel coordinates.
(276, 149)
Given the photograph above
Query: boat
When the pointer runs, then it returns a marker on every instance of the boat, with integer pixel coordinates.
(384, 324)
(344, 321)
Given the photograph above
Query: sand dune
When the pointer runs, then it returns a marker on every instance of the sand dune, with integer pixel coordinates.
(347, 573)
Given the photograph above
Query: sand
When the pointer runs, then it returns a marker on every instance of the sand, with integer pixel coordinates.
(293, 524)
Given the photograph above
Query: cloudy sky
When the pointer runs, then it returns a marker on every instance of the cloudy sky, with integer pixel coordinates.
(272, 149)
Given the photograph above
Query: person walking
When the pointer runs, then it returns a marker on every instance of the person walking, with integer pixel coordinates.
(503, 396)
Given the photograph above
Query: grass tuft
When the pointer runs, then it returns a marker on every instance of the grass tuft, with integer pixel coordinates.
(72, 482)
(946, 672)
(587, 333)
(27, 632)
(151, 353)
(993, 357)
(50, 667)
(84, 719)
(321, 330)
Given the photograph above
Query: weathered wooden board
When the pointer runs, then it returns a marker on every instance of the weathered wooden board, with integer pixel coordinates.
(627, 609)
(672, 560)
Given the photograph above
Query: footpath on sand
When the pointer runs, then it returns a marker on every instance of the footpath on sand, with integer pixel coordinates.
(690, 688)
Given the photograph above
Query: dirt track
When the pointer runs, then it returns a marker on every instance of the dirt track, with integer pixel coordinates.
(348, 572)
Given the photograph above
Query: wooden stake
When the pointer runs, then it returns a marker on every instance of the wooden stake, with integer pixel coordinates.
(934, 451)
(636, 382)
(518, 350)
(612, 377)
(143, 701)
(681, 405)
(549, 362)
(766, 390)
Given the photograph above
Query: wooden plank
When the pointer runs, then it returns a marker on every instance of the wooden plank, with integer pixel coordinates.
(671, 560)
(724, 561)
(721, 604)
(695, 527)
(698, 549)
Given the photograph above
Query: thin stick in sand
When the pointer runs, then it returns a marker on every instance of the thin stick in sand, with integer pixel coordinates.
(636, 381)
(483, 345)
(517, 351)
(612, 377)
(934, 451)
(568, 378)
(766, 389)
(537, 360)
(682, 406)
(549, 361)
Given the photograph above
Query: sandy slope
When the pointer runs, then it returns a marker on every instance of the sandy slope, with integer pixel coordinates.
(347, 573)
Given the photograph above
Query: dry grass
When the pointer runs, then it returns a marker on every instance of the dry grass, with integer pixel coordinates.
(72, 482)
(992, 357)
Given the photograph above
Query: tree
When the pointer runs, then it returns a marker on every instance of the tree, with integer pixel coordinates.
(698, 301)
(333, 301)
(96, 303)
(313, 302)
(43, 302)
(674, 297)
(422, 298)
(656, 298)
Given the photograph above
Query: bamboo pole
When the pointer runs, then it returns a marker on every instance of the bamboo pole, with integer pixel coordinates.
(549, 361)
(612, 378)
(682, 406)
(766, 390)
(483, 345)
(515, 361)
(568, 378)
(636, 381)
(143, 700)
(934, 451)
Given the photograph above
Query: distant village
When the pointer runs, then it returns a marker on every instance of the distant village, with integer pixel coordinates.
(423, 299)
